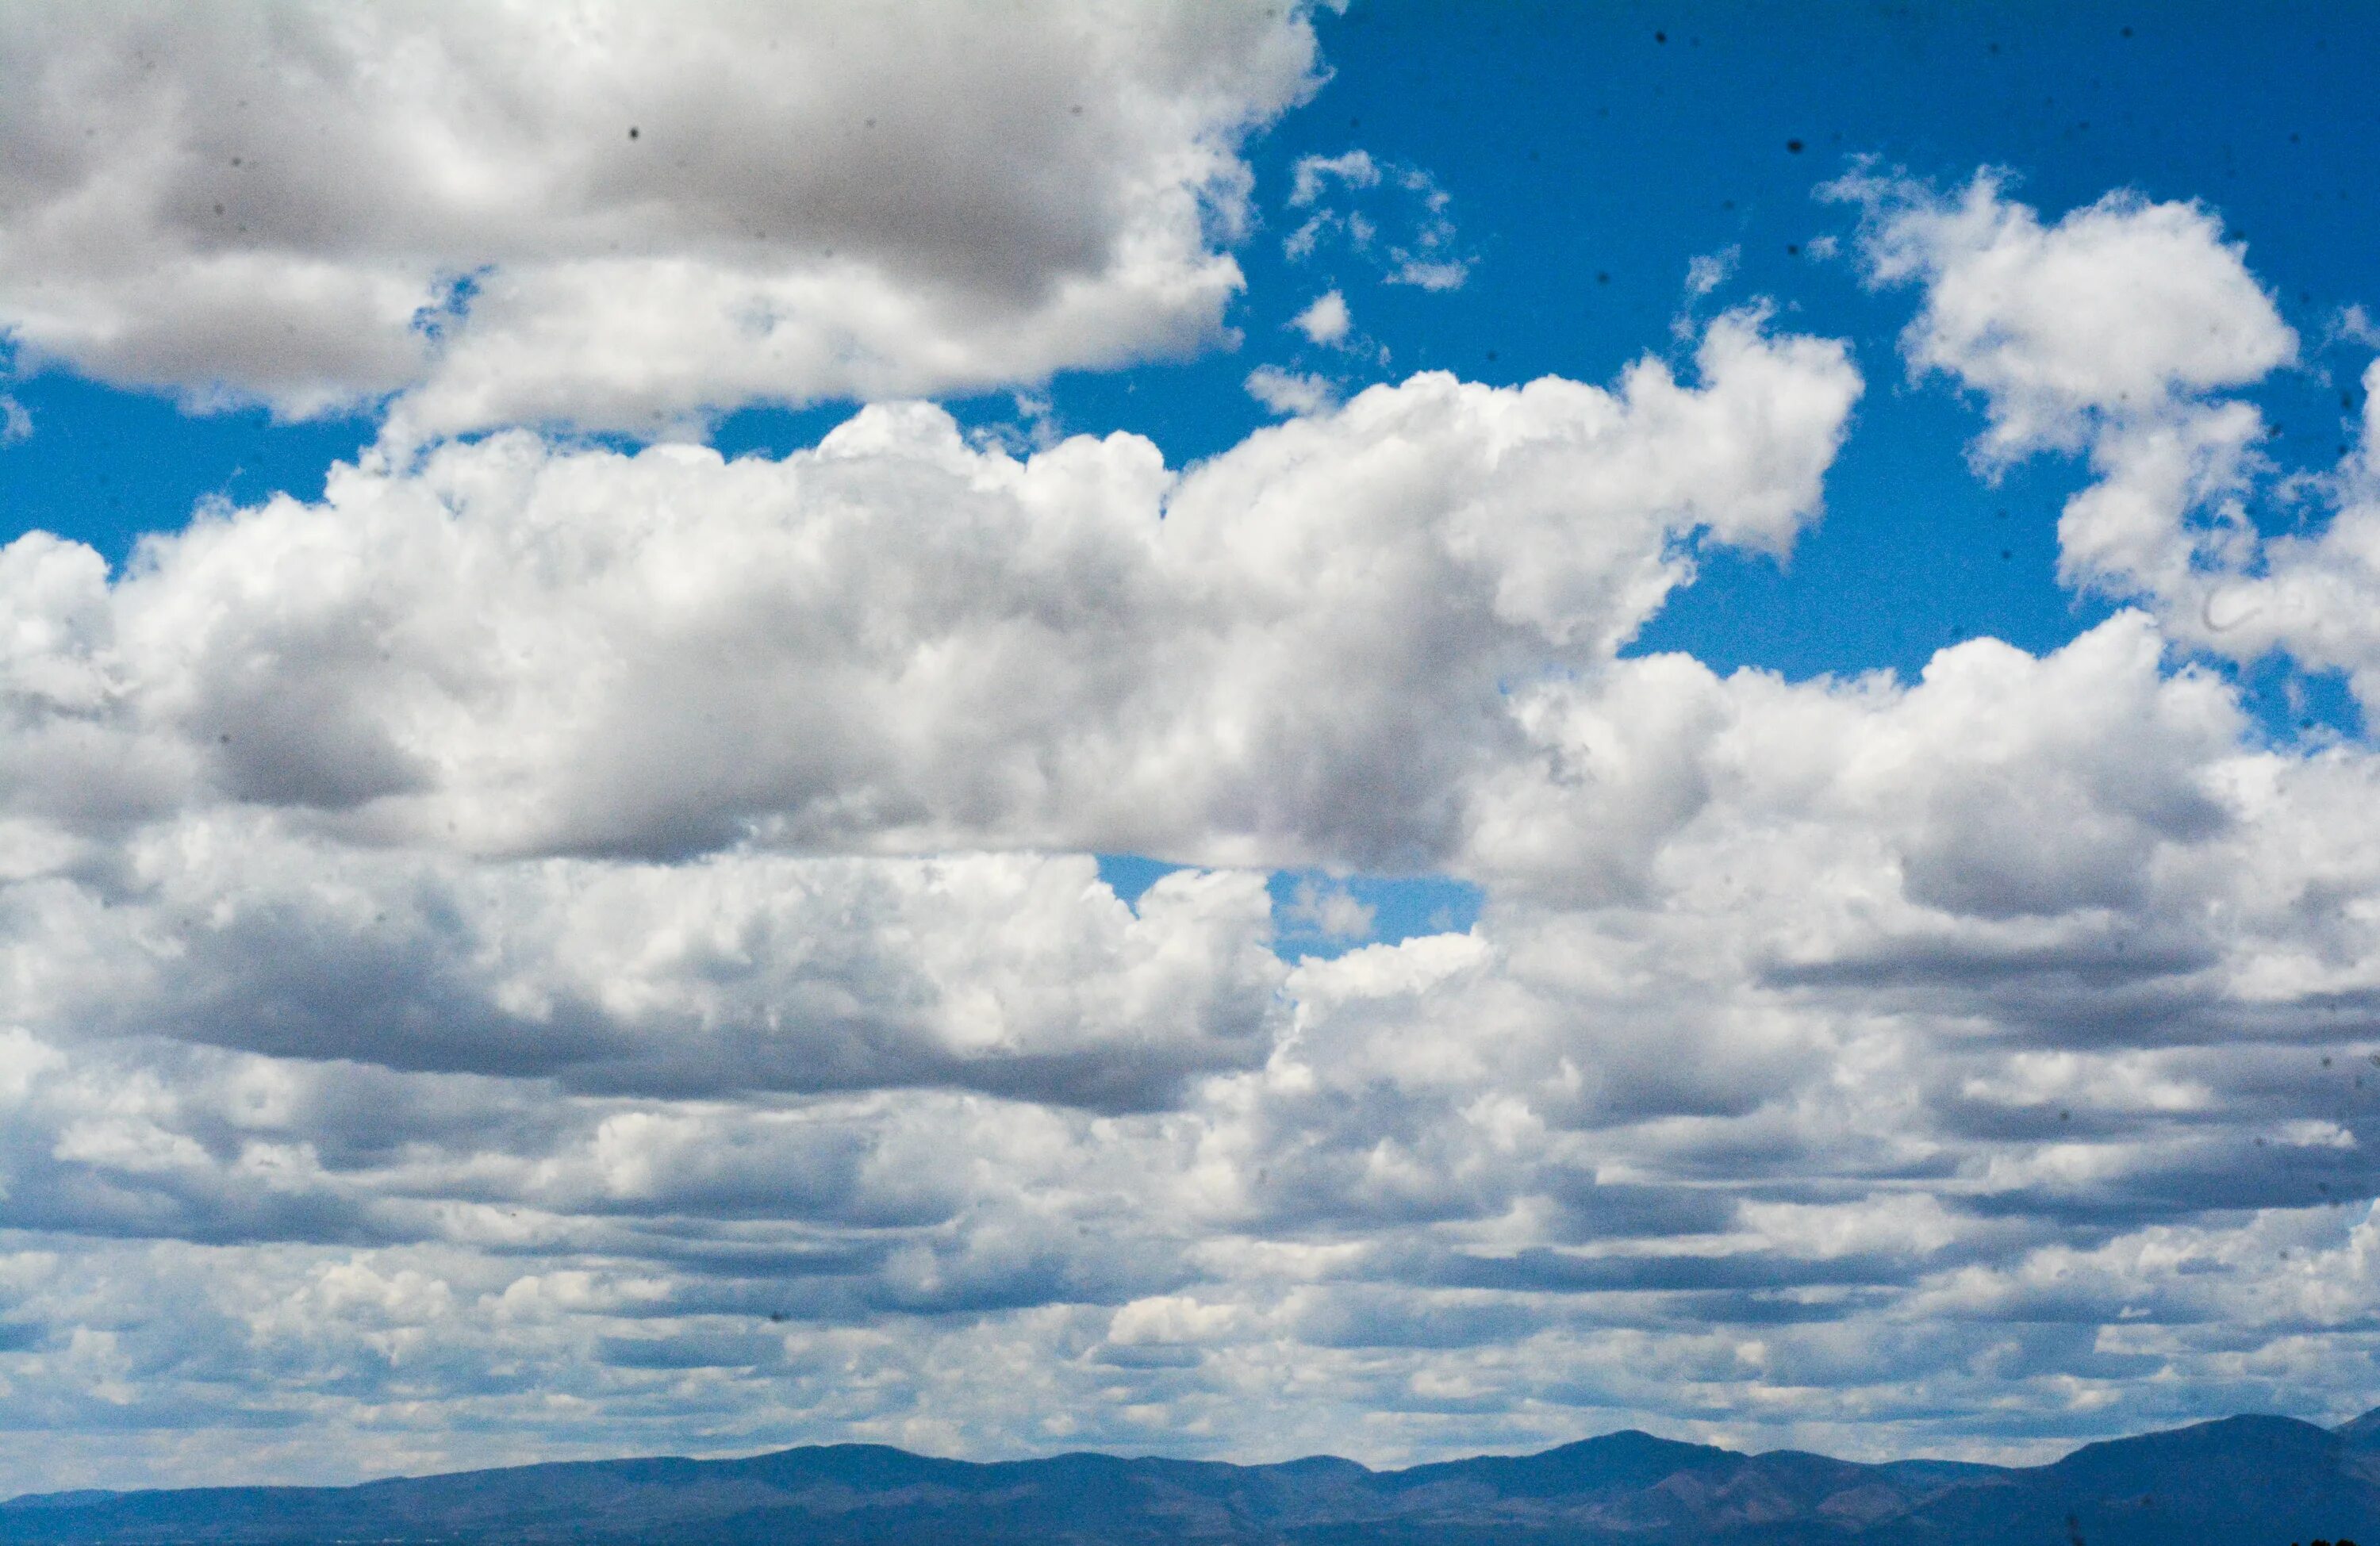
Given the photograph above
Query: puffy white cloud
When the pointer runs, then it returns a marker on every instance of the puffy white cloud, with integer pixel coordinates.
(1325, 321)
(399, 909)
(1955, 1049)
(617, 217)
(1945, 782)
(2119, 329)
(1297, 651)
(1944, 984)
(2111, 329)
(502, 962)
(2117, 314)
(2314, 593)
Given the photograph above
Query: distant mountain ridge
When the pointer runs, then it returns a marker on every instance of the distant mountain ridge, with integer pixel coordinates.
(2239, 1482)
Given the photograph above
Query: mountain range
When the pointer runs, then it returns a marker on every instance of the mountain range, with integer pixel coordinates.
(2239, 1481)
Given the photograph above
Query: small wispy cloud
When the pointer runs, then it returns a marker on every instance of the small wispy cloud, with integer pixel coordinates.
(1313, 173)
(1710, 271)
(1414, 241)
(1290, 391)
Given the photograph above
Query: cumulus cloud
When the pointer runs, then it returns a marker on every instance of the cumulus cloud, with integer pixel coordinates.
(1965, 1046)
(1297, 651)
(2127, 329)
(2115, 329)
(388, 896)
(2120, 312)
(1325, 321)
(616, 218)
(2191, 495)
(547, 950)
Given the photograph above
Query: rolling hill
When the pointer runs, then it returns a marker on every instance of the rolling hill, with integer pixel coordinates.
(2240, 1481)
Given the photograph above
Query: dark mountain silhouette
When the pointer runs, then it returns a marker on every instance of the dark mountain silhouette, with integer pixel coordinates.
(2240, 1481)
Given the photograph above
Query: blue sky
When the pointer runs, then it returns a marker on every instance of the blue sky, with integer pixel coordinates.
(1463, 725)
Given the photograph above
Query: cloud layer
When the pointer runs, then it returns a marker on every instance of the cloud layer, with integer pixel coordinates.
(1826, 1097)
(550, 950)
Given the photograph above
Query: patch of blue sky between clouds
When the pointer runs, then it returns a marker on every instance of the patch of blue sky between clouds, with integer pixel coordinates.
(1324, 916)
(103, 467)
(1319, 914)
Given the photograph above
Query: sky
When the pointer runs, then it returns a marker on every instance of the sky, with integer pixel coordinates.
(1220, 729)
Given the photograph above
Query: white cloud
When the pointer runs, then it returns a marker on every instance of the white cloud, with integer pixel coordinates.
(1325, 321)
(684, 211)
(1290, 392)
(16, 424)
(502, 962)
(2118, 314)
(1409, 236)
(2353, 324)
(2118, 329)
(743, 973)
(1430, 274)
(1313, 175)
(1707, 272)
(1330, 910)
(1426, 257)
(898, 641)
(1917, 1074)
